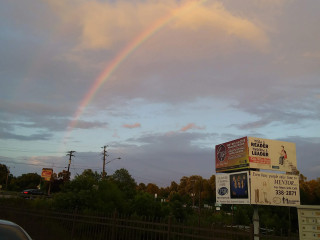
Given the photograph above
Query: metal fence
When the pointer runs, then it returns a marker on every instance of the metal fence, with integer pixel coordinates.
(61, 225)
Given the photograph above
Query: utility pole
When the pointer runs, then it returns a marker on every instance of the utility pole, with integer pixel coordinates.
(193, 193)
(70, 154)
(200, 189)
(105, 155)
(8, 172)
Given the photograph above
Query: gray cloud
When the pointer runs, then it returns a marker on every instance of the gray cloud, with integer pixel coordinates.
(162, 158)
(31, 137)
(35, 116)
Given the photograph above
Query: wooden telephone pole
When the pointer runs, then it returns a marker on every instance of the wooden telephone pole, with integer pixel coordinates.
(70, 154)
(105, 155)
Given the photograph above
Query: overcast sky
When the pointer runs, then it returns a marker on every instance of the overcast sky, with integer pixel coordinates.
(192, 74)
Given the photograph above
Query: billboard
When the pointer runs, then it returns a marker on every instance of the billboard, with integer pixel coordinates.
(233, 188)
(46, 173)
(272, 154)
(274, 189)
(255, 153)
(233, 155)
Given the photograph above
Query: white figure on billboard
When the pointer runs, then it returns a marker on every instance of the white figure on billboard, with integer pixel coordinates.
(261, 195)
(265, 192)
(256, 195)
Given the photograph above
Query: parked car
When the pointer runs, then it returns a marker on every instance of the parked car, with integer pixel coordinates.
(12, 231)
(31, 192)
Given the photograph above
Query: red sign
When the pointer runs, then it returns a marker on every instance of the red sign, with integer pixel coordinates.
(47, 173)
(232, 155)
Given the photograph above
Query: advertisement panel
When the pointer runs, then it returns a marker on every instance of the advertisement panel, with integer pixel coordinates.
(256, 153)
(272, 155)
(274, 189)
(233, 188)
(233, 155)
(46, 174)
(309, 222)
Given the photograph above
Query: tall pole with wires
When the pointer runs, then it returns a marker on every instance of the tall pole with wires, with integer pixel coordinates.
(105, 155)
(8, 172)
(70, 154)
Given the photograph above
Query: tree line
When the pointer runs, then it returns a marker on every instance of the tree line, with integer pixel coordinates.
(192, 199)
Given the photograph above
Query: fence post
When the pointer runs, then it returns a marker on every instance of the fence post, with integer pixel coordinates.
(73, 222)
(169, 227)
(289, 228)
(113, 233)
(251, 232)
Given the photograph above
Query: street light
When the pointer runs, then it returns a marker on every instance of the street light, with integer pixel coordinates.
(104, 171)
(113, 160)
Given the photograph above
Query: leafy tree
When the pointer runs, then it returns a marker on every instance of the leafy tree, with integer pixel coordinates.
(176, 205)
(3, 174)
(243, 215)
(164, 193)
(313, 188)
(90, 174)
(64, 175)
(144, 204)
(317, 191)
(152, 188)
(141, 187)
(274, 218)
(309, 191)
(56, 185)
(191, 189)
(212, 189)
(125, 182)
(173, 187)
(304, 198)
(87, 193)
(25, 181)
(183, 186)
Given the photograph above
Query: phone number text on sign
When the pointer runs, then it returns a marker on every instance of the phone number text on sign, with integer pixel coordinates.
(282, 192)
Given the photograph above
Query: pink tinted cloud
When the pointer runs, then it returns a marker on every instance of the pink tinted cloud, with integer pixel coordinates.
(135, 125)
(115, 134)
(168, 134)
(190, 126)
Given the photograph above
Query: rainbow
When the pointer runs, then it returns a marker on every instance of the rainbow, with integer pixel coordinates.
(122, 55)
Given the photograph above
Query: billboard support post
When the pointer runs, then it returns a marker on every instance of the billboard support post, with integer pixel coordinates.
(49, 189)
(256, 223)
(232, 215)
